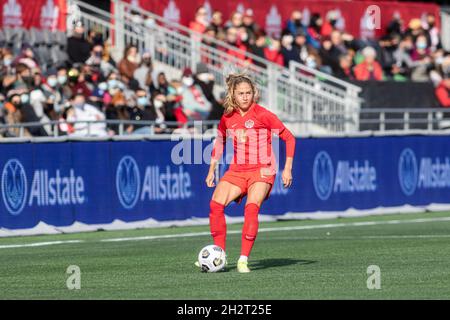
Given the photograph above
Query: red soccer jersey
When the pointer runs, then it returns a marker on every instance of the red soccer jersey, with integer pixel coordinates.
(252, 138)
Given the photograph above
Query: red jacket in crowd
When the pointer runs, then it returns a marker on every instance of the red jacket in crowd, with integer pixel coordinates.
(443, 94)
(362, 72)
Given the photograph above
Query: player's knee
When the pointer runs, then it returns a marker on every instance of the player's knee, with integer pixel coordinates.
(216, 207)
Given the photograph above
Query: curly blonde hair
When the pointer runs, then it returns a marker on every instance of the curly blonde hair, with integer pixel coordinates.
(232, 81)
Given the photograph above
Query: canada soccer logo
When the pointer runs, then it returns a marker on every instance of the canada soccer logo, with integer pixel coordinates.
(249, 124)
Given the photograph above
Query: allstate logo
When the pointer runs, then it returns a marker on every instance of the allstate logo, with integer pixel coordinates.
(128, 182)
(14, 186)
(323, 175)
(408, 171)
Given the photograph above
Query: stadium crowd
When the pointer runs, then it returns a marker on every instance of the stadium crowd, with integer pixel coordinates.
(89, 85)
(405, 52)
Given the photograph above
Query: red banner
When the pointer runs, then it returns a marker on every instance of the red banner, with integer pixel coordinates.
(41, 14)
(355, 17)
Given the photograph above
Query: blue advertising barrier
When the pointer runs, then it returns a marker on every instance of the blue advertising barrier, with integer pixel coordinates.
(99, 182)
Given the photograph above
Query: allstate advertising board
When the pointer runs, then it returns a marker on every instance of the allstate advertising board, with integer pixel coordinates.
(98, 182)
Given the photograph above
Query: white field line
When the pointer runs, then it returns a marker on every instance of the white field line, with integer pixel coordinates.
(316, 226)
(196, 234)
(334, 238)
(38, 244)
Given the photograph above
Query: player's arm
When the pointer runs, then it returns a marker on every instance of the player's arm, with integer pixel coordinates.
(275, 124)
(216, 153)
(289, 139)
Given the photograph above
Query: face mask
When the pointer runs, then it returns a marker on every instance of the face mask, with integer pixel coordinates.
(28, 80)
(158, 104)
(298, 22)
(180, 90)
(78, 105)
(142, 101)
(204, 77)
(62, 79)
(149, 23)
(113, 83)
(244, 37)
(7, 62)
(52, 82)
(24, 98)
(147, 62)
(311, 63)
(188, 81)
(288, 39)
(103, 86)
(421, 45)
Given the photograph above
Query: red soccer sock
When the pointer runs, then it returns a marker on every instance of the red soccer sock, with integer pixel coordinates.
(217, 223)
(250, 229)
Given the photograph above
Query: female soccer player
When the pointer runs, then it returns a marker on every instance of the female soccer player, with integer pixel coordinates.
(252, 171)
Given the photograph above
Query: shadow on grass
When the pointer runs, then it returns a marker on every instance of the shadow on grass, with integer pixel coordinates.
(273, 263)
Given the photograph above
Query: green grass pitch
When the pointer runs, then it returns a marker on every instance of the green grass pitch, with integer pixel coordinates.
(309, 259)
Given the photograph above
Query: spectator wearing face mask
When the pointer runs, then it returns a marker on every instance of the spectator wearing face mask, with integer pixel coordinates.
(130, 61)
(294, 25)
(22, 80)
(98, 62)
(63, 85)
(142, 111)
(195, 105)
(421, 55)
(21, 102)
(78, 48)
(54, 102)
(82, 111)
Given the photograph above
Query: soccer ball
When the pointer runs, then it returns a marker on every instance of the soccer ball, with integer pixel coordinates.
(211, 258)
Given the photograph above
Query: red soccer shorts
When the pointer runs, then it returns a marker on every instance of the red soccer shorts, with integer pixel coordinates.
(244, 179)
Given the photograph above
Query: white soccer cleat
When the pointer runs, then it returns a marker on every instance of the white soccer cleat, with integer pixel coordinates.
(242, 267)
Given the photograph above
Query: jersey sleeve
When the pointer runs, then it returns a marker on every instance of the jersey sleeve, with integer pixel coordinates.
(274, 124)
(220, 140)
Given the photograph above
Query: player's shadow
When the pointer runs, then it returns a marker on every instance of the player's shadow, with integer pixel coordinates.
(273, 263)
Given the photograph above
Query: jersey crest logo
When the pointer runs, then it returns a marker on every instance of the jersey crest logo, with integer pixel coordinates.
(249, 124)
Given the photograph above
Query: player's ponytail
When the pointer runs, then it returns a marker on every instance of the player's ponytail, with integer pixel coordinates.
(232, 80)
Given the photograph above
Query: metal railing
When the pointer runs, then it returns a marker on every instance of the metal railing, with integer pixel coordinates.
(370, 120)
(290, 94)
